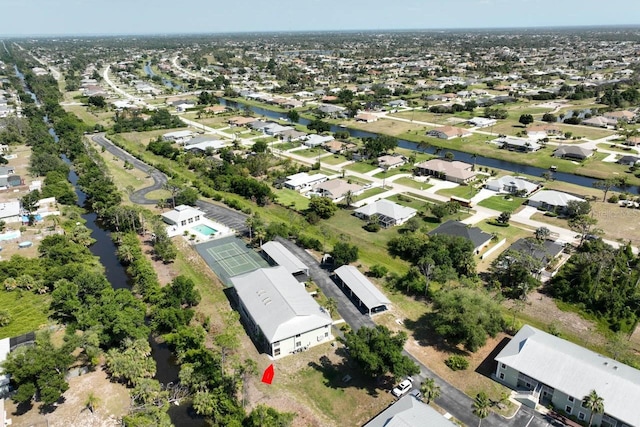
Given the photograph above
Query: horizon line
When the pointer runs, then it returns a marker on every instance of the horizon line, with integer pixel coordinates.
(367, 30)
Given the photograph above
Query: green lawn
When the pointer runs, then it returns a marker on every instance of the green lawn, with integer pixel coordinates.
(28, 311)
(360, 167)
(409, 201)
(371, 192)
(334, 159)
(463, 191)
(310, 152)
(291, 198)
(395, 171)
(410, 182)
(286, 145)
(501, 204)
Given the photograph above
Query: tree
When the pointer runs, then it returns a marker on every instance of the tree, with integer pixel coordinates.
(577, 208)
(349, 197)
(260, 146)
(504, 217)
(584, 225)
(542, 233)
(549, 118)
(512, 270)
(30, 203)
(343, 253)
(593, 403)
(322, 206)
(97, 101)
(526, 119)
(605, 186)
(430, 390)
(132, 362)
(466, 316)
(331, 305)
(378, 351)
(481, 406)
(319, 126)
(266, 416)
(293, 115)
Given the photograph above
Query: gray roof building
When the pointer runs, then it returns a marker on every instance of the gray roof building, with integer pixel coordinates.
(389, 213)
(566, 370)
(409, 412)
(456, 228)
(359, 288)
(572, 152)
(277, 253)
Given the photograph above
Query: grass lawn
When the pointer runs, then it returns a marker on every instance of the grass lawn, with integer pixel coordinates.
(91, 118)
(386, 126)
(291, 198)
(501, 204)
(618, 149)
(124, 178)
(409, 201)
(286, 145)
(28, 311)
(371, 192)
(360, 167)
(311, 152)
(334, 159)
(464, 191)
(159, 194)
(410, 182)
(395, 171)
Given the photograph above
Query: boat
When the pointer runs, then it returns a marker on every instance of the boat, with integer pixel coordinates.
(26, 244)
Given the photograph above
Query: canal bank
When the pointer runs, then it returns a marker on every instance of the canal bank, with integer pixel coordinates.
(479, 160)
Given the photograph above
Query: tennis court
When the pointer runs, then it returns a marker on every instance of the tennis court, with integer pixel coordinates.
(230, 257)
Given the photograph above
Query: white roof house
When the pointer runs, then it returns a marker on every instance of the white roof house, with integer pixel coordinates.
(202, 146)
(303, 180)
(482, 122)
(182, 218)
(389, 213)
(315, 140)
(511, 184)
(357, 285)
(552, 199)
(10, 211)
(282, 256)
(573, 371)
(280, 311)
(178, 136)
(409, 412)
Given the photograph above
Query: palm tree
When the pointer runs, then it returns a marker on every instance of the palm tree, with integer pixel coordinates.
(481, 406)
(331, 306)
(349, 197)
(429, 389)
(593, 403)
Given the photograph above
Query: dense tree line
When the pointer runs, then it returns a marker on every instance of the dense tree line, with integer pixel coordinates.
(137, 121)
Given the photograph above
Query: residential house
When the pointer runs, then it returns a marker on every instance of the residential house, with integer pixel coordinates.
(539, 132)
(179, 136)
(182, 218)
(547, 370)
(275, 129)
(517, 144)
(279, 313)
(397, 103)
(366, 117)
(240, 121)
(479, 238)
(449, 132)
(512, 185)
(552, 200)
(409, 411)
(360, 290)
(624, 116)
(572, 152)
(331, 110)
(599, 121)
(215, 109)
(628, 160)
(454, 171)
(292, 135)
(387, 162)
(303, 181)
(337, 188)
(482, 122)
(10, 211)
(544, 251)
(315, 140)
(387, 213)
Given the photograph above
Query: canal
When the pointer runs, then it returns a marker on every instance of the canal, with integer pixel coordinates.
(105, 249)
(459, 155)
(168, 83)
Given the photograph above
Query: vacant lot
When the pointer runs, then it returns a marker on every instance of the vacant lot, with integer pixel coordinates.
(28, 311)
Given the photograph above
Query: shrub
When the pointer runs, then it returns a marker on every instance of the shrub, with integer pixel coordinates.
(457, 363)
(613, 199)
(372, 227)
(309, 242)
(378, 270)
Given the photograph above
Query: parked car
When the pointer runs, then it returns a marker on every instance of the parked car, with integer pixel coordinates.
(402, 388)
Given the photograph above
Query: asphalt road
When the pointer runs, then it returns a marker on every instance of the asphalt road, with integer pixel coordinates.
(451, 399)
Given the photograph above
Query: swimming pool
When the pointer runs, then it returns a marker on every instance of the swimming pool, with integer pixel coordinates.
(205, 230)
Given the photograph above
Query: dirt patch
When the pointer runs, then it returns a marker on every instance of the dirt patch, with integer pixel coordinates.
(113, 405)
(617, 222)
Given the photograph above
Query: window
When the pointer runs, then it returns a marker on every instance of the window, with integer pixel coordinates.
(190, 220)
(298, 344)
(570, 399)
(183, 222)
(501, 375)
(276, 352)
(568, 409)
(581, 416)
(326, 334)
(276, 344)
(583, 404)
(197, 218)
(528, 385)
(503, 366)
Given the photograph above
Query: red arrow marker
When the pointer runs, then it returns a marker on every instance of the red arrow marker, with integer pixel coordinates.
(267, 376)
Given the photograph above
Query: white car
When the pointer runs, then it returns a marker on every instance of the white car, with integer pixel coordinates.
(402, 388)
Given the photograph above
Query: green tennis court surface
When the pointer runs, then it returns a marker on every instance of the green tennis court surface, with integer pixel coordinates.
(230, 257)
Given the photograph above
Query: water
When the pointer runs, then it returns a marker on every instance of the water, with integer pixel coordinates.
(168, 83)
(458, 155)
(166, 368)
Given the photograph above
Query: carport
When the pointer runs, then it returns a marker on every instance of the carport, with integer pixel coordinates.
(362, 292)
(280, 255)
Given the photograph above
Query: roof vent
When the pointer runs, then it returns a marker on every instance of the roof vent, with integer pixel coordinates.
(606, 363)
(615, 367)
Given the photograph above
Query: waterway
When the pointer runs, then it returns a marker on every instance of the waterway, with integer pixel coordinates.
(168, 83)
(458, 155)
(104, 248)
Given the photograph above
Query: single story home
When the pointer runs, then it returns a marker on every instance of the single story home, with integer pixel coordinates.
(389, 162)
(240, 121)
(179, 136)
(482, 122)
(517, 144)
(303, 181)
(543, 131)
(454, 171)
(624, 115)
(275, 129)
(291, 135)
(388, 213)
(544, 251)
(479, 238)
(279, 313)
(278, 254)
(409, 411)
(315, 140)
(397, 103)
(552, 200)
(334, 146)
(449, 132)
(201, 147)
(366, 296)
(10, 211)
(628, 160)
(337, 188)
(512, 185)
(599, 121)
(572, 152)
(548, 370)
(215, 109)
(366, 117)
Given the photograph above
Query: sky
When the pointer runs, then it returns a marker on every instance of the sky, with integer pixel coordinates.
(100, 17)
